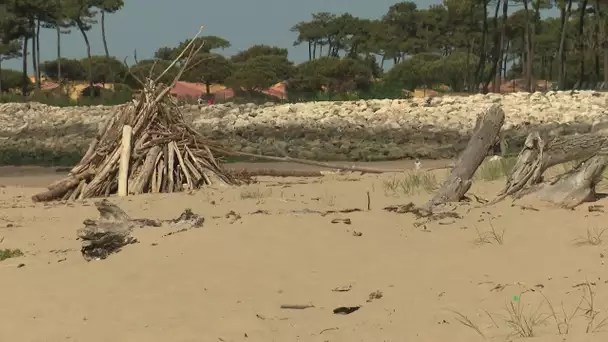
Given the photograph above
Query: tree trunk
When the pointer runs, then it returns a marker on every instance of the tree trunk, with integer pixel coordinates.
(103, 33)
(34, 54)
(540, 153)
(581, 40)
(1, 75)
(562, 41)
(482, 48)
(24, 86)
(59, 54)
(604, 44)
(597, 42)
(38, 71)
(495, 49)
(309, 50)
(485, 135)
(528, 48)
(577, 186)
(503, 50)
(88, 43)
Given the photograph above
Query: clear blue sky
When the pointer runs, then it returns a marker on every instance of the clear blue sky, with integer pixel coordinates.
(146, 25)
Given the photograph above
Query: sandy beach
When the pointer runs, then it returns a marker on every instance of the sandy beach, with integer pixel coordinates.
(485, 276)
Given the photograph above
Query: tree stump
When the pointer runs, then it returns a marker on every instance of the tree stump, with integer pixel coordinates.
(577, 186)
(540, 153)
(485, 135)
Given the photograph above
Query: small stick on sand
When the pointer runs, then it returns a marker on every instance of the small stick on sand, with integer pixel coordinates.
(297, 306)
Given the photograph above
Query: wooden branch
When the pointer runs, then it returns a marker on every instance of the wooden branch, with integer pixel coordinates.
(180, 55)
(62, 188)
(578, 186)
(484, 136)
(125, 158)
(352, 168)
(277, 173)
(146, 171)
(540, 153)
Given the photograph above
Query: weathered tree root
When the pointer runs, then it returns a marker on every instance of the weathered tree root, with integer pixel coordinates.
(540, 153)
(577, 186)
(112, 231)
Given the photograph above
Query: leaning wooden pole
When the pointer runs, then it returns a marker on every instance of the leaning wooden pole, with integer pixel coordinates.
(125, 158)
(485, 135)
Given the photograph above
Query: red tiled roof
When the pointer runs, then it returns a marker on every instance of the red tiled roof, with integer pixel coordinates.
(187, 89)
(195, 90)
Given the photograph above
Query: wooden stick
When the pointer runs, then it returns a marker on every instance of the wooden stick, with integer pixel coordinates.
(78, 190)
(352, 168)
(147, 169)
(125, 157)
(182, 164)
(170, 168)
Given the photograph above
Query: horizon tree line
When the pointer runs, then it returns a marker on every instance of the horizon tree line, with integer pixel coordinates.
(469, 45)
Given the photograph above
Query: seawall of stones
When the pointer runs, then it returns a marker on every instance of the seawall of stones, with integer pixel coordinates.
(372, 130)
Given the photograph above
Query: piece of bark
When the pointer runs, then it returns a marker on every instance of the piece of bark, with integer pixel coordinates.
(540, 153)
(577, 186)
(485, 135)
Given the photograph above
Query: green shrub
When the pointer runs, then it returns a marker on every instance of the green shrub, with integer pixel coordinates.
(12, 80)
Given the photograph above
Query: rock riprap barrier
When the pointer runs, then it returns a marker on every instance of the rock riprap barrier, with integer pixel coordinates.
(357, 130)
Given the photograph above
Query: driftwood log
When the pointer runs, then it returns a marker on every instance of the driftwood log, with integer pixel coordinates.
(541, 152)
(578, 185)
(112, 231)
(485, 136)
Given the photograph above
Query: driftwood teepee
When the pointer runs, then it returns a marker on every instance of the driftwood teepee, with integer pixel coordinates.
(145, 147)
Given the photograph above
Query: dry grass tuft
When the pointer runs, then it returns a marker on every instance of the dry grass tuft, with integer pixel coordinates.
(466, 321)
(490, 236)
(522, 323)
(255, 193)
(591, 312)
(592, 238)
(563, 320)
(411, 182)
(492, 170)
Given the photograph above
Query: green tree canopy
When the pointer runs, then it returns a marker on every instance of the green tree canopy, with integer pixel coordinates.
(331, 74)
(208, 68)
(257, 51)
(150, 68)
(260, 72)
(71, 69)
(105, 70)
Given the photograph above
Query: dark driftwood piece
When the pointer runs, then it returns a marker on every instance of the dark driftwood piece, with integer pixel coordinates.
(540, 153)
(113, 229)
(577, 186)
(107, 235)
(485, 135)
